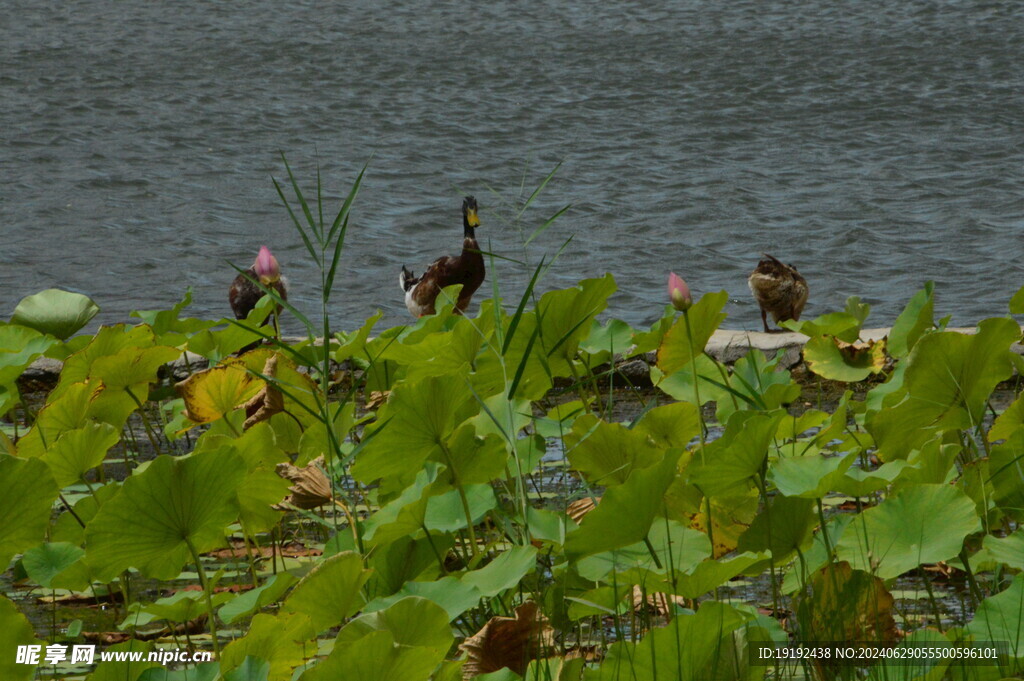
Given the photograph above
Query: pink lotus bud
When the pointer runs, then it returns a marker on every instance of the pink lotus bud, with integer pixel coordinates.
(679, 292)
(266, 267)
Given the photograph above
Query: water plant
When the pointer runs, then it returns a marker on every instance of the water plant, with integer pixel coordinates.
(498, 499)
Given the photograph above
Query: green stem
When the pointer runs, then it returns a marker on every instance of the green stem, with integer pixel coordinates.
(696, 388)
(462, 496)
(206, 593)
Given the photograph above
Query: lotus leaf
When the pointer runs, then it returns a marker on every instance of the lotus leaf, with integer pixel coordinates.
(158, 513)
(56, 312)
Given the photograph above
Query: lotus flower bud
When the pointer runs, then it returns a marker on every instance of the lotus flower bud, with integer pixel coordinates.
(266, 267)
(679, 292)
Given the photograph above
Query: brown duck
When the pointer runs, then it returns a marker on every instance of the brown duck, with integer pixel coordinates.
(778, 289)
(244, 294)
(466, 268)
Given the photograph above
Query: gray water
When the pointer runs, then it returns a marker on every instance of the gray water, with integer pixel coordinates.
(874, 145)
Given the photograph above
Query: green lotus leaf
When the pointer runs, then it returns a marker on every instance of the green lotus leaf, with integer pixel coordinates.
(857, 482)
(56, 312)
(330, 592)
(19, 347)
(445, 513)
(455, 596)
(842, 325)
(132, 367)
(607, 453)
(158, 513)
(1009, 421)
(670, 425)
(626, 511)
(375, 657)
(732, 460)
(565, 316)
(713, 573)
(470, 459)
(250, 602)
(46, 561)
(416, 419)
(204, 671)
(919, 524)
(79, 450)
(405, 514)
(280, 640)
(690, 648)
(1008, 550)
(15, 631)
(353, 344)
(504, 572)
(837, 360)
(647, 341)
(124, 670)
(948, 380)
(915, 320)
(251, 669)
(810, 476)
(27, 493)
(1006, 463)
(783, 527)
(403, 560)
(603, 342)
(109, 341)
(674, 544)
(412, 621)
(679, 346)
(999, 618)
(181, 606)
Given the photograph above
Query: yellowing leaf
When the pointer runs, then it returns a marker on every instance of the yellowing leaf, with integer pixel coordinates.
(211, 394)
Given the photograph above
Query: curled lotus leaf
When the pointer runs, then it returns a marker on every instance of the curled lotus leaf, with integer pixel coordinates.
(508, 642)
(213, 393)
(837, 360)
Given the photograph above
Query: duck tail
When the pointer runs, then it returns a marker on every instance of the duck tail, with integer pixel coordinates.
(406, 279)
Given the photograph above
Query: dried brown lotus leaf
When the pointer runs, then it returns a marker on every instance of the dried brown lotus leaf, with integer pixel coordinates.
(310, 486)
(581, 507)
(268, 401)
(508, 642)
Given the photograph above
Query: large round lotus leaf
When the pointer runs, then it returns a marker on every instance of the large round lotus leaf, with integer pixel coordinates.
(919, 524)
(150, 523)
(15, 631)
(331, 592)
(27, 491)
(58, 313)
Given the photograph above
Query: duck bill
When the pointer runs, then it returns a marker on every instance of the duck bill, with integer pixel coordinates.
(471, 217)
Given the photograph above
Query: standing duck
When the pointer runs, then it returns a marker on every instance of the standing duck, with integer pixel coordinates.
(244, 294)
(779, 289)
(467, 269)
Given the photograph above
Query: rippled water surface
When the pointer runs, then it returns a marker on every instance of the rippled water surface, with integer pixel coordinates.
(875, 145)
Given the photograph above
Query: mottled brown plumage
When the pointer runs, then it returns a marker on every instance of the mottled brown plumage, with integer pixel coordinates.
(778, 289)
(467, 269)
(244, 294)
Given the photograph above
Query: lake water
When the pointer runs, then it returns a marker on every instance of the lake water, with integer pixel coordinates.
(874, 145)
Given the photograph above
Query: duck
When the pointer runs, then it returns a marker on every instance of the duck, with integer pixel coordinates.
(467, 269)
(244, 294)
(778, 289)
